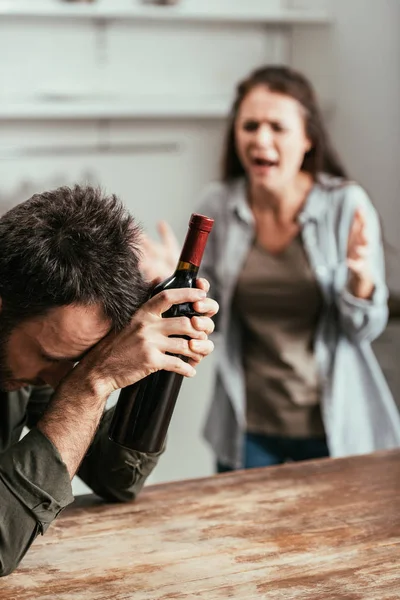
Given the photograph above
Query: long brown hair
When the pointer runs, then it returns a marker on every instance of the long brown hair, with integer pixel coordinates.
(283, 80)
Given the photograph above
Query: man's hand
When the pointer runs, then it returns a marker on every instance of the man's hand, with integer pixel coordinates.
(145, 345)
(361, 283)
(123, 358)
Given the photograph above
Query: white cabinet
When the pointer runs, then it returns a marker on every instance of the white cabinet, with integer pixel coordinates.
(96, 61)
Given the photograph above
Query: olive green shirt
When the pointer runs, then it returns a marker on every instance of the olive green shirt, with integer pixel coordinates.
(34, 482)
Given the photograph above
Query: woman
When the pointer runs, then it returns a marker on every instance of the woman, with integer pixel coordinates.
(295, 260)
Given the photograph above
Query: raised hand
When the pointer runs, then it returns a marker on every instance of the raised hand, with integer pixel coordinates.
(359, 257)
(159, 259)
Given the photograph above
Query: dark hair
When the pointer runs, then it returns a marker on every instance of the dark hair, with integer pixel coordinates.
(67, 246)
(283, 80)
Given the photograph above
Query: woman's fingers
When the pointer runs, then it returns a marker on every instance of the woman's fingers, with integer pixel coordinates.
(358, 237)
(168, 241)
(159, 258)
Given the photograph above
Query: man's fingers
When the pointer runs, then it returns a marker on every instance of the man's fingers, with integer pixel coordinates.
(207, 307)
(203, 284)
(177, 365)
(197, 328)
(183, 326)
(205, 324)
(193, 349)
(201, 347)
(167, 298)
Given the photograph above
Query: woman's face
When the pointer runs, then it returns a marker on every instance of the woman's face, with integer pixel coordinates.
(271, 140)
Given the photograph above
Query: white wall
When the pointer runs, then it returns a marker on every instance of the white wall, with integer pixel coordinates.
(366, 123)
(356, 70)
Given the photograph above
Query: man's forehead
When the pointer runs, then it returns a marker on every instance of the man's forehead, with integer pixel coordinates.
(69, 331)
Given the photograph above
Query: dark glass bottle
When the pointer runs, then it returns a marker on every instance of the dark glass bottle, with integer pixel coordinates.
(144, 409)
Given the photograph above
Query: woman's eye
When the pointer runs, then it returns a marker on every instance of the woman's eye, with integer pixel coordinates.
(277, 127)
(250, 126)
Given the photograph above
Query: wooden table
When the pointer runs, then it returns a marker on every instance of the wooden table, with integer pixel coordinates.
(327, 529)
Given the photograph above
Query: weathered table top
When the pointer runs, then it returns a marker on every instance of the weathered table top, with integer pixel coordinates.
(326, 530)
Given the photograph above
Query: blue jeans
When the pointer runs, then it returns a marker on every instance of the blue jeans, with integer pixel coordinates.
(267, 450)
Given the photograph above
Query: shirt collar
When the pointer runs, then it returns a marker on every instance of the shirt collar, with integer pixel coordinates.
(239, 203)
(314, 208)
(318, 199)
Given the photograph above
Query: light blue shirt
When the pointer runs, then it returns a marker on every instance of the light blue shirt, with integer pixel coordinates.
(358, 410)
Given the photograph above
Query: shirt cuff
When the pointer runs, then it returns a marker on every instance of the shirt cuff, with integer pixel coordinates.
(379, 295)
(35, 473)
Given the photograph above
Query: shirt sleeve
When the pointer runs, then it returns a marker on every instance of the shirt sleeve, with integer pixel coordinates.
(34, 489)
(363, 319)
(113, 472)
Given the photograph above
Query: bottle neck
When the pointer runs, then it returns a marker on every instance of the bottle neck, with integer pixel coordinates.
(193, 248)
(187, 266)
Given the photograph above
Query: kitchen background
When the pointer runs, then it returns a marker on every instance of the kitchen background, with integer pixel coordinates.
(133, 95)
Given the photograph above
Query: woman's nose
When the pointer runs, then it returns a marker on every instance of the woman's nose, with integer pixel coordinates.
(53, 375)
(263, 135)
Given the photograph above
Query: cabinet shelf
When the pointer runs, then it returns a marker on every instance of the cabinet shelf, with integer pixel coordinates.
(179, 108)
(142, 108)
(101, 10)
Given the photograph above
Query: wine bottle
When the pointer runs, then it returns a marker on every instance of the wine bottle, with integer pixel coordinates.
(144, 409)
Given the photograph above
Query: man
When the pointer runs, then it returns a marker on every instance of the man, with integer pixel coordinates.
(72, 317)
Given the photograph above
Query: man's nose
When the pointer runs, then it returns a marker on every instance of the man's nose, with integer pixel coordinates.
(53, 375)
